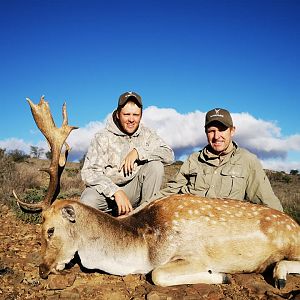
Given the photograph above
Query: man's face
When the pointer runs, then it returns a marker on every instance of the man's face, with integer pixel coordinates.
(219, 136)
(129, 117)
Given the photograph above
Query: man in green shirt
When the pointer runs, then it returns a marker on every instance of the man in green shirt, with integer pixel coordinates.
(222, 169)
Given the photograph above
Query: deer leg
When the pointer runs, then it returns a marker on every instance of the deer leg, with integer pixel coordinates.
(282, 268)
(186, 272)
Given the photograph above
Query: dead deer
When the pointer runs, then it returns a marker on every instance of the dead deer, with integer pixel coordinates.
(182, 239)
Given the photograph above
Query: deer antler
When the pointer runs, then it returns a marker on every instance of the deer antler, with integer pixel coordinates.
(56, 138)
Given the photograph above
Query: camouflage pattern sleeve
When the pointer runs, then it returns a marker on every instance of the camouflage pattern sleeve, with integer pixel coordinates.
(92, 172)
(154, 148)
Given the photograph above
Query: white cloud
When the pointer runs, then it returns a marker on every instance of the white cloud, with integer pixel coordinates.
(259, 136)
(185, 134)
(80, 138)
(13, 143)
(281, 165)
(20, 144)
(178, 130)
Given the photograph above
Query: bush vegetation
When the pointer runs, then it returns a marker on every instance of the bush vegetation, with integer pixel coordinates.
(30, 184)
(23, 175)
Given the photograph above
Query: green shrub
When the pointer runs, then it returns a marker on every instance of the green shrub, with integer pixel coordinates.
(26, 216)
(294, 172)
(72, 172)
(31, 195)
(17, 155)
(34, 195)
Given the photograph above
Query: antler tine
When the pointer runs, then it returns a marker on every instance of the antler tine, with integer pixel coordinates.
(56, 138)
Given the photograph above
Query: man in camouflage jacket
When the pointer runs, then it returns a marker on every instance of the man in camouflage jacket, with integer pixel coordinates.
(222, 169)
(124, 164)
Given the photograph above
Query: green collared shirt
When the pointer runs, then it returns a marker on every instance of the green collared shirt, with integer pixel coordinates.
(236, 175)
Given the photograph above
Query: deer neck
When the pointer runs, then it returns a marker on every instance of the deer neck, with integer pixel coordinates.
(106, 249)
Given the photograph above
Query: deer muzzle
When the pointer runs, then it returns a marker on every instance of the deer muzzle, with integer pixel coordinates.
(44, 271)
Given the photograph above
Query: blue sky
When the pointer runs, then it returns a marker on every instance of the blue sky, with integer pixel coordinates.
(182, 57)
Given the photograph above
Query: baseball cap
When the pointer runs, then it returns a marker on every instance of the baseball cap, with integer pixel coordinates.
(220, 115)
(127, 95)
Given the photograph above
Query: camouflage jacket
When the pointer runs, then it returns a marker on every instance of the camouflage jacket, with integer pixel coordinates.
(109, 147)
(239, 176)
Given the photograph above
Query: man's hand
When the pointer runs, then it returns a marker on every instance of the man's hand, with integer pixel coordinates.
(128, 163)
(123, 203)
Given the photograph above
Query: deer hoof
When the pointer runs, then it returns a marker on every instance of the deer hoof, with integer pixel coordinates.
(226, 279)
(280, 283)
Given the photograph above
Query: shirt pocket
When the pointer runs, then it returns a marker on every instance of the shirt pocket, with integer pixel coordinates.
(233, 182)
(202, 181)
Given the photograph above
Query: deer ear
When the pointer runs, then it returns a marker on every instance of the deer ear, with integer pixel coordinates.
(68, 212)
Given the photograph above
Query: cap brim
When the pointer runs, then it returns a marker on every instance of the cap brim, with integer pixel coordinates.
(218, 121)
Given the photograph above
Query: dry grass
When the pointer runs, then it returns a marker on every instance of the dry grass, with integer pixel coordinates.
(31, 184)
(287, 189)
(31, 177)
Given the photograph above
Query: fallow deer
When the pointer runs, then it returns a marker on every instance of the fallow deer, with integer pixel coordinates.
(182, 239)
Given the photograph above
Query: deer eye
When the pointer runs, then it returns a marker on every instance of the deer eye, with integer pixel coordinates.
(50, 232)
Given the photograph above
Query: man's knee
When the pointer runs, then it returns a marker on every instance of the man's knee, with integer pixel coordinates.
(155, 167)
(92, 198)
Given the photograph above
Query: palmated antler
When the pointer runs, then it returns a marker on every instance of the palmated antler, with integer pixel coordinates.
(56, 138)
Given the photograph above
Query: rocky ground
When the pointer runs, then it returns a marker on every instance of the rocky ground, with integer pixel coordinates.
(19, 278)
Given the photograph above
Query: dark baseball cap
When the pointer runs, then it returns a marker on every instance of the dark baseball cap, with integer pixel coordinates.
(219, 115)
(130, 96)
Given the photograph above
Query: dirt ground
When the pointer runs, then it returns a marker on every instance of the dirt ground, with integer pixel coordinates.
(19, 278)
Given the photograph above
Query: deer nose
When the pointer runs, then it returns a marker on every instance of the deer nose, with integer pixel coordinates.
(44, 271)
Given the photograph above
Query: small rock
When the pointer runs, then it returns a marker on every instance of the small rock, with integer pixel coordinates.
(132, 278)
(154, 295)
(68, 295)
(115, 295)
(60, 282)
(31, 279)
(254, 283)
(17, 277)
